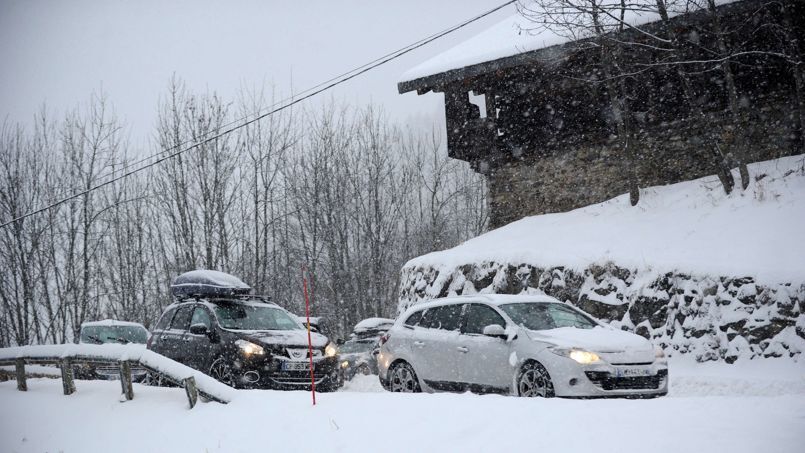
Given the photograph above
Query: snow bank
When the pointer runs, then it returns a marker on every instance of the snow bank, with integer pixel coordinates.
(131, 351)
(157, 420)
(690, 226)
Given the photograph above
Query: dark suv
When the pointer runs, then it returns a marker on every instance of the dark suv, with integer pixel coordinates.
(246, 342)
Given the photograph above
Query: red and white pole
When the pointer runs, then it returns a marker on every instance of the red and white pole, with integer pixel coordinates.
(309, 341)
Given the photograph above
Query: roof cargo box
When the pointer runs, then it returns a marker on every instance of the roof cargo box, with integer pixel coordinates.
(206, 283)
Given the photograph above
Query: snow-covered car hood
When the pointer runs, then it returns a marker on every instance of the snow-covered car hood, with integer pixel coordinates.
(286, 337)
(613, 345)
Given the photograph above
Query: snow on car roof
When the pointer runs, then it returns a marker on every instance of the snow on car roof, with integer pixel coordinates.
(111, 322)
(207, 283)
(494, 299)
(372, 323)
(518, 35)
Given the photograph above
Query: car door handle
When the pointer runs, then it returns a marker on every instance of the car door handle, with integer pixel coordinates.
(463, 349)
(419, 343)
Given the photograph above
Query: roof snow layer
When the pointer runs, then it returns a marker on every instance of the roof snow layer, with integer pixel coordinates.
(691, 227)
(518, 34)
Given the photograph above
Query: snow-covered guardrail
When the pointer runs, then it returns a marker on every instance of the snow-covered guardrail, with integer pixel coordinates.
(65, 356)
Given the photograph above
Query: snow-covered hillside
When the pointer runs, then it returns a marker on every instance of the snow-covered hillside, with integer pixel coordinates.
(691, 226)
(746, 407)
(689, 265)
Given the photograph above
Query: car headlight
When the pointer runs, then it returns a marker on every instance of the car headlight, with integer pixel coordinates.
(344, 364)
(580, 356)
(330, 350)
(249, 349)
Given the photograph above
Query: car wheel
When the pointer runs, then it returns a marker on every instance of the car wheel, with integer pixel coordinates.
(364, 370)
(222, 371)
(534, 381)
(403, 379)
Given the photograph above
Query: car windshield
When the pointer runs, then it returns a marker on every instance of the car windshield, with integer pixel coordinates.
(254, 317)
(356, 346)
(544, 316)
(113, 334)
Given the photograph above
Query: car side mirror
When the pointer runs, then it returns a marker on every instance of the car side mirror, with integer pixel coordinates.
(495, 330)
(339, 341)
(199, 329)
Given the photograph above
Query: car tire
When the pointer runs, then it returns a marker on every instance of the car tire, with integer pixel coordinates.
(328, 387)
(533, 381)
(402, 378)
(222, 371)
(364, 370)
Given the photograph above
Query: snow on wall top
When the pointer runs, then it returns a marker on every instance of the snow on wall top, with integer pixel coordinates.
(692, 227)
(518, 34)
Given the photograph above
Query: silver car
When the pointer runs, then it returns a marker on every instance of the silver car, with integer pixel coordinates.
(533, 346)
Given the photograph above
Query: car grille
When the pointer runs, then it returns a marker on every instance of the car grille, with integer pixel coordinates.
(301, 353)
(606, 381)
(296, 378)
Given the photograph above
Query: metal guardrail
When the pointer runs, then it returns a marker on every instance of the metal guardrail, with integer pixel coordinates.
(66, 365)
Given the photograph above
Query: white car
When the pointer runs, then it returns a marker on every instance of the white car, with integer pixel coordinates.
(533, 346)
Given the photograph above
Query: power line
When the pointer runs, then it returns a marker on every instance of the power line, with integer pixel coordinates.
(233, 125)
(395, 53)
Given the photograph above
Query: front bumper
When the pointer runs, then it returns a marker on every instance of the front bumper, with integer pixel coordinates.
(269, 374)
(603, 380)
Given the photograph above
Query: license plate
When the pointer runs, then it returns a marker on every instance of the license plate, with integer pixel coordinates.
(295, 366)
(632, 372)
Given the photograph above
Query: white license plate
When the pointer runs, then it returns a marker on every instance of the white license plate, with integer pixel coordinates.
(632, 372)
(295, 366)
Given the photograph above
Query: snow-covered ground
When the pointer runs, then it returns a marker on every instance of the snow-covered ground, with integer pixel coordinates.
(750, 406)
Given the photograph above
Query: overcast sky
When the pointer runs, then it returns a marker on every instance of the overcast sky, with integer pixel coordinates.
(59, 52)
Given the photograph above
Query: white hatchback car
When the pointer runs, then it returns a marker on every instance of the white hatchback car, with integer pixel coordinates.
(519, 345)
